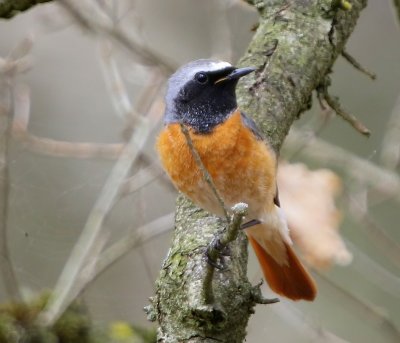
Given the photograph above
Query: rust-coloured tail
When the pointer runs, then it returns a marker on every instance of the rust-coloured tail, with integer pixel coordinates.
(290, 279)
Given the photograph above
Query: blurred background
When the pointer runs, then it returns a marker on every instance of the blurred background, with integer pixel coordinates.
(75, 84)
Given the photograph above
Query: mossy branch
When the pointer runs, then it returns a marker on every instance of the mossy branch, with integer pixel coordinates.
(9, 8)
(293, 50)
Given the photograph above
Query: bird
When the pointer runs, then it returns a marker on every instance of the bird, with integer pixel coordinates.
(201, 95)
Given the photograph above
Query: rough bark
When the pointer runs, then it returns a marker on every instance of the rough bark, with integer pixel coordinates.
(9, 8)
(293, 50)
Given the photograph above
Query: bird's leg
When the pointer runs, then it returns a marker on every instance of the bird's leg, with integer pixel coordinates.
(216, 251)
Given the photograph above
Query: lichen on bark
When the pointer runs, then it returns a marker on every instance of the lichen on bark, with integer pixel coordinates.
(184, 302)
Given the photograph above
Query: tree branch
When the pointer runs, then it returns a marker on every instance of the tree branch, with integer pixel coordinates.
(6, 267)
(93, 227)
(9, 8)
(293, 50)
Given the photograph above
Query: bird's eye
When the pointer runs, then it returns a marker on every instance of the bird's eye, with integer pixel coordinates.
(201, 78)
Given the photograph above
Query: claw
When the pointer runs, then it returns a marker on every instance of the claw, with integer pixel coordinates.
(220, 250)
(226, 251)
(215, 264)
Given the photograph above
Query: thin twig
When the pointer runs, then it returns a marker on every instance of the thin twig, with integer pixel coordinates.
(259, 298)
(141, 53)
(55, 148)
(12, 100)
(366, 172)
(357, 65)
(93, 227)
(218, 244)
(206, 175)
(51, 147)
(80, 150)
(144, 177)
(333, 102)
(116, 86)
(6, 267)
(355, 168)
(148, 96)
(123, 246)
(230, 233)
(335, 105)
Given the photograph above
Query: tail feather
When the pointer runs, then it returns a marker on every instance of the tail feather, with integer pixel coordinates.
(288, 279)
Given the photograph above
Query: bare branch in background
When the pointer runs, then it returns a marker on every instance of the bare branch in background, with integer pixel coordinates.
(114, 82)
(360, 307)
(10, 101)
(68, 281)
(141, 53)
(390, 153)
(144, 177)
(51, 147)
(93, 228)
(123, 246)
(18, 60)
(7, 271)
(54, 148)
(362, 170)
(102, 18)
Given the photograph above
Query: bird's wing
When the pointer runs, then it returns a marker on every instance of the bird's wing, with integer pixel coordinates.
(250, 123)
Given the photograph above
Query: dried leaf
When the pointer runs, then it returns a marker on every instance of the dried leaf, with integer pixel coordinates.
(308, 199)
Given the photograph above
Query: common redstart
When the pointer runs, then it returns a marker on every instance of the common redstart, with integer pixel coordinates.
(201, 95)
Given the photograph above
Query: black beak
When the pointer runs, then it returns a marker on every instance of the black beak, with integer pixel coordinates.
(236, 74)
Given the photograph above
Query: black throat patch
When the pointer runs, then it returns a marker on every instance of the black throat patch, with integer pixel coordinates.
(207, 111)
(203, 107)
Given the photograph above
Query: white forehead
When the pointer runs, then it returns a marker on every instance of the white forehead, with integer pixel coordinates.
(187, 72)
(202, 65)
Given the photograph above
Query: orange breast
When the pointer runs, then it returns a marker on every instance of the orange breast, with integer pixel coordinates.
(242, 167)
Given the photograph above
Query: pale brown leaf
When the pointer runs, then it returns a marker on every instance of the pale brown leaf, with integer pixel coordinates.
(308, 199)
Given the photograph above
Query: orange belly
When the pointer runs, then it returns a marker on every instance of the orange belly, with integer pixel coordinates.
(242, 167)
